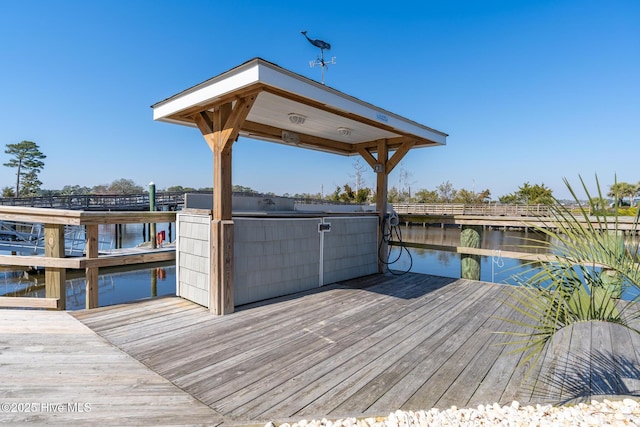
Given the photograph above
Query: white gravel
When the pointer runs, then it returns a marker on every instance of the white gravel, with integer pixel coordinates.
(625, 412)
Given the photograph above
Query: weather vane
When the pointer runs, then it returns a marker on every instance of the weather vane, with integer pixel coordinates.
(320, 61)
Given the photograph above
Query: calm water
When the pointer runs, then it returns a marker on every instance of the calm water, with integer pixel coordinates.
(441, 263)
(129, 285)
(495, 268)
(116, 286)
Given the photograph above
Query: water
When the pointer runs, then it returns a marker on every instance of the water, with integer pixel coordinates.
(128, 285)
(495, 268)
(116, 286)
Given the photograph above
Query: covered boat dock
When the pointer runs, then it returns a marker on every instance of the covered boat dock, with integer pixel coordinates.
(261, 100)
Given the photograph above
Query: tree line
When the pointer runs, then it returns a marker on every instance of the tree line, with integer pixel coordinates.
(28, 160)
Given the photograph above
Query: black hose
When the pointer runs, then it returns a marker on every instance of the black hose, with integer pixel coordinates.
(388, 231)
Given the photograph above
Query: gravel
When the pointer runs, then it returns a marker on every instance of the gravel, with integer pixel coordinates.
(625, 412)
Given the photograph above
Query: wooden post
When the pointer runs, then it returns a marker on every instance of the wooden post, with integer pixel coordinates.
(55, 278)
(222, 301)
(470, 237)
(152, 208)
(91, 273)
(381, 202)
(220, 130)
(154, 282)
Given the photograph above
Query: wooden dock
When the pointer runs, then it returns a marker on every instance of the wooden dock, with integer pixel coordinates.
(362, 347)
(55, 370)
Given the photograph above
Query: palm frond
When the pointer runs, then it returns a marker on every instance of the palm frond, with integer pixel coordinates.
(591, 266)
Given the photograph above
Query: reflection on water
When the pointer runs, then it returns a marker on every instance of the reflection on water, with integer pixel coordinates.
(495, 268)
(443, 263)
(114, 287)
(122, 286)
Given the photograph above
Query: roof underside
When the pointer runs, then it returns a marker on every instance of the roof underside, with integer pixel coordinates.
(333, 121)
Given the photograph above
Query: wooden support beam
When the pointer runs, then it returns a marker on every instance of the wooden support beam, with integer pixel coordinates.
(28, 302)
(55, 278)
(221, 166)
(399, 155)
(382, 178)
(128, 259)
(205, 124)
(40, 261)
(91, 273)
(367, 156)
(221, 300)
(235, 120)
(226, 273)
(273, 133)
(220, 133)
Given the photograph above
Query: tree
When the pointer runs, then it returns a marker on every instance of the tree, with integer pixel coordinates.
(73, 190)
(446, 192)
(335, 196)
(359, 170)
(465, 196)
(27, 158)
(620, 190)
(125, 186)
(100, 189)
(426, 196)
(30, 184)
(528, 194)
(119, 186)
(348, 195)
(404, 184)
(181, 189)
(243, 189)
(484, 196)
(394, 196)
(362, 195)
(8, 192)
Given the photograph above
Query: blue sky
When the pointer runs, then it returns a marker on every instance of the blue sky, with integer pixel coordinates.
(528, 91)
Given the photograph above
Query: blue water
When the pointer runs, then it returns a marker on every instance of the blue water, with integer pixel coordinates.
(440, 263)
(123, 286)
(114, 287)
(494, 269)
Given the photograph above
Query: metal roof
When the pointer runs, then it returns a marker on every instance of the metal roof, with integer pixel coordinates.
(332, 121)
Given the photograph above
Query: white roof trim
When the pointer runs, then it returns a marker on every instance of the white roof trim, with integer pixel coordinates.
(258, 71)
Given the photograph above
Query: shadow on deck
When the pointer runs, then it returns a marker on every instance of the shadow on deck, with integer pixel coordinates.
(357, 348)
(361, 347)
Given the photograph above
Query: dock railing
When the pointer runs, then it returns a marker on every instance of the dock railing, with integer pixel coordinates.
(492, 209)
(56, 262)
(99, 202)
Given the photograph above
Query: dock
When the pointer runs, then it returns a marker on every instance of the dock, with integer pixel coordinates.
(358, 348)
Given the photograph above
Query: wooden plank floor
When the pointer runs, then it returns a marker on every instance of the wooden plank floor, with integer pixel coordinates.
(362, 347)
(55, 370)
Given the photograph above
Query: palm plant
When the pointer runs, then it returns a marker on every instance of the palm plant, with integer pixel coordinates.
(590, 268)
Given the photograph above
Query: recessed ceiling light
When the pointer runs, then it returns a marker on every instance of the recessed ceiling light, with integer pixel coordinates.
(297, 119)
(344, 131)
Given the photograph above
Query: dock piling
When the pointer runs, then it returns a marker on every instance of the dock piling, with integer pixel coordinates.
(55, 277)
(152, 208)
(470, 237)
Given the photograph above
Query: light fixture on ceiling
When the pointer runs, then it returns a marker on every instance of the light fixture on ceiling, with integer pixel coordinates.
(344, 131)
(297, 119)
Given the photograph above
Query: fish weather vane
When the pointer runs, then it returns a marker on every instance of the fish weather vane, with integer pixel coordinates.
(320, 61)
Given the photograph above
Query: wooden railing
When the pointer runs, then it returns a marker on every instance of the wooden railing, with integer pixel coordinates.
(491, 209)
(98, 202)
(56, 263)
